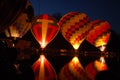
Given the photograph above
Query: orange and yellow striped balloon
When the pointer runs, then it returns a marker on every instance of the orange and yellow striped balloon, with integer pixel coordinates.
(74, 27)
(99, 34)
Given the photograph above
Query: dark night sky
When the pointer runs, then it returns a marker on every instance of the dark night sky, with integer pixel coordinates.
(96, 9)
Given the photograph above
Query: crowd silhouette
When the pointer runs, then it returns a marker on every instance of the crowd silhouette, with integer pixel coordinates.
(10, 69)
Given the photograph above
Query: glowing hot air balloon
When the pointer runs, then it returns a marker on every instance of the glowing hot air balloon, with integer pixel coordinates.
(9, 11)
(73, 71)
(44, 29)
(74, 28)
(99, 34)
(93, 68)
(22, 24)
(43, 69)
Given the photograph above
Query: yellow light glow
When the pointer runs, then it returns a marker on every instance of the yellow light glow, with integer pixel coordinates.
(102, 60)
(100, 42)
(76, 68)
(42, 57)
(100, 65)
(75, 60)
(102, 48)
(76, 46)
(41, 71)
(13, 33)
(43, 44)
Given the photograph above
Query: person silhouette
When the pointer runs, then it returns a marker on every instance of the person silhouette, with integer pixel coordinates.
(7, 68)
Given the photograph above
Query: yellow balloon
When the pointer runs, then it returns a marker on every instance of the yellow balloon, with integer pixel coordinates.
(74, 28)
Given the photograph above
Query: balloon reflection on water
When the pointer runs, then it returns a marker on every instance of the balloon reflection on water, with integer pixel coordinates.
(73, 70)
(94, 67)
(98, 36)
(43, 69)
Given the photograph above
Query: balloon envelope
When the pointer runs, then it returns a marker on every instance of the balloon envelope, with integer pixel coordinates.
(74, 27)
(9, 11)
(73, 71)
(22, 24)
(43, 70)
(44, 29)
(99, 34)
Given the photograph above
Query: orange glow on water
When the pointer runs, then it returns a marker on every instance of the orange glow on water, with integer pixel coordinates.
(102, 60)
(75, 60)
(101, 65)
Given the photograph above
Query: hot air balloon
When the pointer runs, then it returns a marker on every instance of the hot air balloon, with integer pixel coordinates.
(99, 34)
(22, 24)
(73, 71)
(43, 69)
(74, 28)
(10, 10)
(94, 67)
(44, 29)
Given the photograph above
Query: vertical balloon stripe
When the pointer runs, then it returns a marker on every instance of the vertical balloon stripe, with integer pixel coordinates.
(42, 68)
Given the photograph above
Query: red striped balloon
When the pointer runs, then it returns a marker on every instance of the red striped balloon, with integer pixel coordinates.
(74, 27)
(44, 29)
(99, 34)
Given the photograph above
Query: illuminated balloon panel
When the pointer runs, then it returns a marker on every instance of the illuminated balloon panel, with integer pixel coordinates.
(74, 27)
(94, 67)
(44, 29)
(99, 34)
(10, 10)
(22, 23)
(73, 71)
(43, 70)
